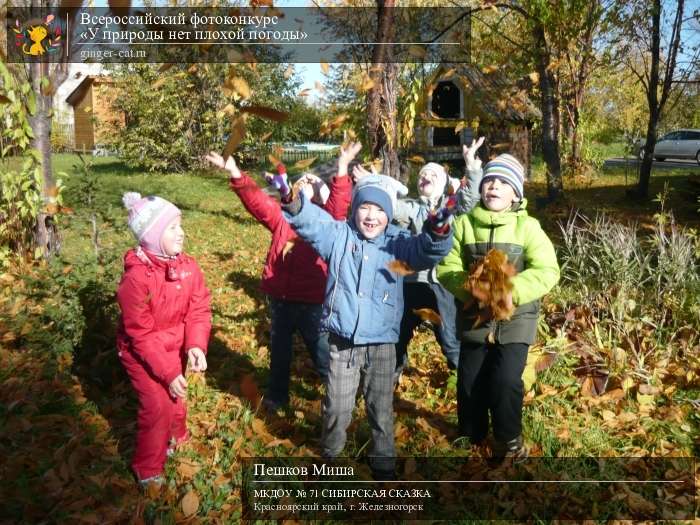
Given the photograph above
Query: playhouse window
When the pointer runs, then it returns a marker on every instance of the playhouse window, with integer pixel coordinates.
(446, 103)
(446, 97)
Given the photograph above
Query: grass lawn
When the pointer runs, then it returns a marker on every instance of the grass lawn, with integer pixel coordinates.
(67, 422)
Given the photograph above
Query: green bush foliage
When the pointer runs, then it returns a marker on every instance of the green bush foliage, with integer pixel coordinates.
(166, 131)
(20, 188)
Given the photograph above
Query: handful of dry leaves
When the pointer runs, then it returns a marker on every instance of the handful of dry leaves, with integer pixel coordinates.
(490, 287)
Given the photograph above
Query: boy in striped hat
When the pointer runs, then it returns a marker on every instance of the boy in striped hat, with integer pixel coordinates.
(493, 354)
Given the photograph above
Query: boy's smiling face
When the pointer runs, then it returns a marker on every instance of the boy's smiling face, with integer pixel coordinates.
(497, 195)
(370, 219)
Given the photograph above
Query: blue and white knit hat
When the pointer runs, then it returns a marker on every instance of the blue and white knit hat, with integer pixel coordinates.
(508, 169)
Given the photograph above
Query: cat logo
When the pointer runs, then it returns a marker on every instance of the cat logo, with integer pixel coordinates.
(38, 39)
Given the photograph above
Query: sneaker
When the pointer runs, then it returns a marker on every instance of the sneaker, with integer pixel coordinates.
(514, 449)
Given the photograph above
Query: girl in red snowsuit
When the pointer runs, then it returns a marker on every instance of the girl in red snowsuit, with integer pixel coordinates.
(165, 323)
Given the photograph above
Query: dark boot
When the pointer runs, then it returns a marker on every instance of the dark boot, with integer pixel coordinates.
(515, 449)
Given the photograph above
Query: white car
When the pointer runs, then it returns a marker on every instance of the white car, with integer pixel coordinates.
(679, 144)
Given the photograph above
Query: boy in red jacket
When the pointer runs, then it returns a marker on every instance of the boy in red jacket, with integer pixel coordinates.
(294, 279)
(165, 323)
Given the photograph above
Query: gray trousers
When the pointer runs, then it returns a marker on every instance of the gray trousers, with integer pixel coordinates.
(374, 364)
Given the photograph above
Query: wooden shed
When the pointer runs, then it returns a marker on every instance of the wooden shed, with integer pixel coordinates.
(463, 101)
(94, 121)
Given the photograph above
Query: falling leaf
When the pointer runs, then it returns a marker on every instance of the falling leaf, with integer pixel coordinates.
(192, 69)
(417, 159)
(367, 84)
(87, 109)
(319, 87)
(165, 67)
(305, 92)
(338, 121)
(229, 110)
(159, 82)
(487, 70)
(241, 87)
(190, 504)
(534, 77)
(416, 51)
(304, 163)
(266, 136)
(288, 72)
(400, 267)
(237, 133)
(426, 314)
(448, 73)
(324, 68)
(265, 112)
(459, 127)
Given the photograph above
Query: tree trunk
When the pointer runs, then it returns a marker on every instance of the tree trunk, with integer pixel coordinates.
(652, 100)
(550, 118)
(46, 233)
(381, 99)
(656, 104)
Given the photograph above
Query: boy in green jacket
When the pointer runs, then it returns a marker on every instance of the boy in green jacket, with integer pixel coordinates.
(493, 355)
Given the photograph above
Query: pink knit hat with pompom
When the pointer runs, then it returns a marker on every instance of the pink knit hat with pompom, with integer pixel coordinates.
(148, 218)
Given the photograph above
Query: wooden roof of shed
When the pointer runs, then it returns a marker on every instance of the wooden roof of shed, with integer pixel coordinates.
(79, 92)
(494, 91)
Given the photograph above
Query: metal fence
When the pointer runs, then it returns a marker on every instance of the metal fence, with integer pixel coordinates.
(291, 155)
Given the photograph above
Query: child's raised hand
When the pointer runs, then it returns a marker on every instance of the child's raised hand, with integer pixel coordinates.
(279, 181)
(441, 217)
(196, 359)
(347, 154)
(469, 153)
(229, 165)
(178, 387)
(359, 172)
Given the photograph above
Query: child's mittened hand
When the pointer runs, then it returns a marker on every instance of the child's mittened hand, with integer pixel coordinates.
(469, 153)
(229, 165)
(440, 218)
(279, 181)
(196, 359)
(178, 387)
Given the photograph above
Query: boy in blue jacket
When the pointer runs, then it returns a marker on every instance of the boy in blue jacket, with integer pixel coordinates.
(364, 303)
